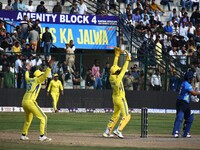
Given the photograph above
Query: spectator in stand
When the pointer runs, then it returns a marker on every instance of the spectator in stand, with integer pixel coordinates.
(186, 4)
(146, 4)
(57, 8)
(8, 51)
(184, 19)
(70, 57)
(9, 78)
(74, 8)
(191, 30)
(181, 42)
(15, 5)
(89, 81)
(135, 74)
(41, 8)
(105, 76)
(197, 36)
(128, 81)
(195, 3)
(183, 31)
(167, 44)
(24, 27)
(141, 28)
(173, 53)
(76, 78)
(97, 75)
(173, 81)
(194, 17)
(37, 62)
(160, 28)
(175, 29)
(129, 22)
(182, 53)
(173, 21)
(181, 13)
(152, 21)
(168, 28)
(156, 81)
(16, 48)
(82, 8)
(173, 14)
(154, 6)
(191, 44)
(145, 13)
(18, 67)
(157, 17)
(138, 8)
(9, 6)
(27, 51)
(72, 46)
(136, 17)
(30, 7)
(47, 39)
(174, 41)
(38, 29)
(127, 12)
(33, 38)
(145, 20)
(21, 6)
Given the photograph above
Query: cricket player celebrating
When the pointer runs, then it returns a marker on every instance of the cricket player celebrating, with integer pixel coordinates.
(183, 111)
(118, 96)
(30, 105)
(55, 85)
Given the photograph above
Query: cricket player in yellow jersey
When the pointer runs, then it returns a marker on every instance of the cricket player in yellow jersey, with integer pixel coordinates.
(55, 86)
(118, 96)
(30, 105)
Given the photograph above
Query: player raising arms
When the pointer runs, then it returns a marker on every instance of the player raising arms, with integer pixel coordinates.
(183, 111)
(118, 96)
(30, 105)
(55, 85)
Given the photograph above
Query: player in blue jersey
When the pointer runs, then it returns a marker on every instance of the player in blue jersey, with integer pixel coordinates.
(183, 110)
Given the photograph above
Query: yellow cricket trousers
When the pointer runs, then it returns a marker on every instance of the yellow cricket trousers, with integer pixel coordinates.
(55, 97)
(120, 106)
(31, 108)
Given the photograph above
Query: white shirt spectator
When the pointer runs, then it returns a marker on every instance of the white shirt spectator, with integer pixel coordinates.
(18, 65)
(82, 9)
(191, 29)
(182, 57)
(156, 80)
(183, 31)
(36, 62)
(30, 8)
(173, 53)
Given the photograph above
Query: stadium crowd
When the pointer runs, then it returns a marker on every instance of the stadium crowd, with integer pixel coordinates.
(179, 38)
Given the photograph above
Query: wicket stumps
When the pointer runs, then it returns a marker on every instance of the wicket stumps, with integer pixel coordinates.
(144, 122)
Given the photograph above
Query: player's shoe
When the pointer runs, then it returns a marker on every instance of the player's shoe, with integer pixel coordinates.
(24, 137)
(176, 135)
(107, 135)
(187, 136)
(56, 111)
(118, 133)
(44, 138)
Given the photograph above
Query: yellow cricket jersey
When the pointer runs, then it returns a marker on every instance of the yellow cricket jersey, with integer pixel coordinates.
(116, 81)
(34, 85)
(54, 86)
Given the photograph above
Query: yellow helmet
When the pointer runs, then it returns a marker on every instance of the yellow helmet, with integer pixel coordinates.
(38, 73)
(55, 75)
(114, 68)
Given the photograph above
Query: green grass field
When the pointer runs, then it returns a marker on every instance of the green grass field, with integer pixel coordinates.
(160, 124)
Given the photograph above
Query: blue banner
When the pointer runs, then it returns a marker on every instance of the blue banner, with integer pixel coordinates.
(87, 31)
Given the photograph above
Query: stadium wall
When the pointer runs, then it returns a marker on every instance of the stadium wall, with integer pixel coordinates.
(96, 99)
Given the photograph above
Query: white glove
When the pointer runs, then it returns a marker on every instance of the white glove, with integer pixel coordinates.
(194, 99)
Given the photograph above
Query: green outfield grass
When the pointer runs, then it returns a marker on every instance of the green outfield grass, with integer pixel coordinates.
(86, 123)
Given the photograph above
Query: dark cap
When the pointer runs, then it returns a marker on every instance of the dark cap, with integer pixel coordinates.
(42, 2)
